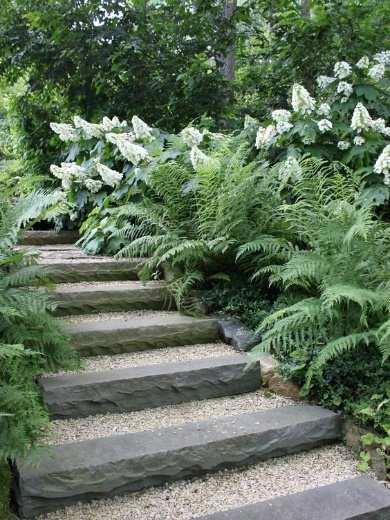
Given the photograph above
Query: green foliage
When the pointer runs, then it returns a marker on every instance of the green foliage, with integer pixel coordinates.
(31, 341)
(100, 57)
(281, 43)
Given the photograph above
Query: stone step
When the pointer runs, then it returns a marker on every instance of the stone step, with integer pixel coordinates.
(128, 332)
(37, 238)
(90, 269)
(110, 466)
(358, 498)
(94, 297)
(151, 386)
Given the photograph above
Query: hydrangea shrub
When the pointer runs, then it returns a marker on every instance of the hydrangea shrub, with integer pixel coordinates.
(346, 119)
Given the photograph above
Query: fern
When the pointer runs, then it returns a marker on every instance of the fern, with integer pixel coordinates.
(341, 261)
(31, 341)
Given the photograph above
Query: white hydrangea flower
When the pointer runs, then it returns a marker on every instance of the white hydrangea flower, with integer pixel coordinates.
(386, 131)
(65, 132)
(107, 124)
(377, 72)
(265, 136)
(250, 121)
(281, 116)
(343, 145)
(379, 125)
(141, 129)
(383, 57)
(361, 119)
(382, 165)
(93, 185)
(90, 130)
(283, 126)
(359, 140)
(324, 81)
(301, 100)
(109, 176)
(363, 63)
(67, 173)
(346, 89)
(324, 125)
(290, 169)
(308, 139)
(342, 69)
(198, 158)
(191, 136)
(324, 109)
(131, 151)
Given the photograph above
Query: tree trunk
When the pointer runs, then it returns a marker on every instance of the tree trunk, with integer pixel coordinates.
(229, 60)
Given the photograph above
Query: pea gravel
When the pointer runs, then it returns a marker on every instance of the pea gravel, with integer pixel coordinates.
(92, 427)
(185, 500)
(124, 316)
(153, 357)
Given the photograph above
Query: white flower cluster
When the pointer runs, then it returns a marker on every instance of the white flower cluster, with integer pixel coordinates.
(324, 109)
(342, 69)
(110, 177)
(93, 185)
(343, 145)
(345, 89)
(281, 116)
(130, 151)
(65, 132)
(67, 173)
(107, 124)
(301, 100)
(363, 63)
(377, 72)
(382, 165)
(141, 130)
(359, 140)
(191, 136)
(324, 81)
(90, 130)
(198, 158)
(383, 57)
(361, 119)
(265, 136)
(324, 125)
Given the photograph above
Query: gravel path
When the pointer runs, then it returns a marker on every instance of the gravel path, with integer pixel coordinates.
(153, 357)
(70, 287)
(74, 430)
(227, 489)
(124, 316)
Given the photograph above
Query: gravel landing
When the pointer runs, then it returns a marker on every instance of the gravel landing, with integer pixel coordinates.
(227, 489)
(75, 430)
(124, 316)
(91, 286)
(154, 357)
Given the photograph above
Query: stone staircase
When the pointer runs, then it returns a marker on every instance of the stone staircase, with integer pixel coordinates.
(142, 358)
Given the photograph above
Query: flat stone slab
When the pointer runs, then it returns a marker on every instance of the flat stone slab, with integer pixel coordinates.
(97, 297)
(356, 499)
(37, 238)
(117, 336)
(109, 466)
(90, 269)
(137, 388)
